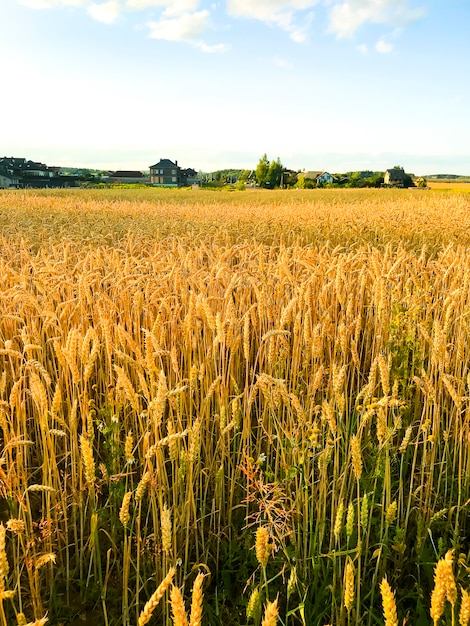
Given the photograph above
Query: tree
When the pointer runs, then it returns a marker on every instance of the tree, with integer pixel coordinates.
(289, 178)
(300, 181)
(262, 170)
(275, 173)
(244, 176)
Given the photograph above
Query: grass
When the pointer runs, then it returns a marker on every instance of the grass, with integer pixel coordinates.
(270, 389)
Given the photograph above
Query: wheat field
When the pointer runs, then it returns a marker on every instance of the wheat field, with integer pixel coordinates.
(234, 408)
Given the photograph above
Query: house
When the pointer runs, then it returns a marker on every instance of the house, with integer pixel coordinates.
(165, 173)
(8, 180)
(395, 177)
(127, 177)
(312, 174)
(325, 179)
(189, 177)
(22, 173)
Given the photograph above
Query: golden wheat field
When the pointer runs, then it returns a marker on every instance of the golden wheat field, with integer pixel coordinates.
(234, 408)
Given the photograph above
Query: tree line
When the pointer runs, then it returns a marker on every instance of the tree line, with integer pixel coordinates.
(274, 175)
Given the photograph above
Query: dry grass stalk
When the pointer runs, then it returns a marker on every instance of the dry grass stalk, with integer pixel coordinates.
(464, 615)
(128, 448)
(195, 618)
(124, 510)
(349, 585)
(262, 546)
(177, 607)
(388, 604)
(271, 614)
(253, 606)
(444, 587)
(356, 455)
(155, 598)
(88, 461)
(166, 530)
(4, 567)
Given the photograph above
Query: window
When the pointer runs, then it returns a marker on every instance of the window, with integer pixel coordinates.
(173, 172)
(173, 179)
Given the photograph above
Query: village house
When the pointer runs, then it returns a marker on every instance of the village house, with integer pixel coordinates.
(395, 177)
(8, 180)
(19, 173)
(325, 178)
(127, 177)
(319, 177)
(165, 173)
(312, 174)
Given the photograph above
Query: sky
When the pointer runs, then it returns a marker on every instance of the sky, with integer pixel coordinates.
(321, 84)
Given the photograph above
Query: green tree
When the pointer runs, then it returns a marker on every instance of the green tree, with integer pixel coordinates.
(300, 181)
(262, 170)
(244, 176)
(275, 173)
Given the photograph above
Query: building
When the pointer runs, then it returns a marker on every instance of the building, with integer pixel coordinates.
(312, 174)
(127, 177)
(20, 173)
(189, 177)
(9, 179)
(165, 173)
(325, 178)
(395, 177)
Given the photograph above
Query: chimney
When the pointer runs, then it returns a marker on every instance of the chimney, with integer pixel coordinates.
(176, 163)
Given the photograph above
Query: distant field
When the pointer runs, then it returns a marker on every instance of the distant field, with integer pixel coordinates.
(269, 388)
(451, 185)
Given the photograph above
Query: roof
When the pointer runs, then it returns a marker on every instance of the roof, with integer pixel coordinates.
(12, 161)
(312, 174)
(127, 174)
(164, 163)
(396, 173)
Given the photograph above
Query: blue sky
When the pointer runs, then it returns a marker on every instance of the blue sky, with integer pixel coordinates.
(322, 84)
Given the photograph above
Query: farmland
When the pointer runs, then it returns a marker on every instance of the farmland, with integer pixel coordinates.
(261, 396)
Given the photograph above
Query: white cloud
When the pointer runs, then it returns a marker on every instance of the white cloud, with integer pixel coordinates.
(187, 27)
(171, 7)
(280, 13)
(362, 48)
(383, 47)
(106, 12)
(211, 49)
(346, 17)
